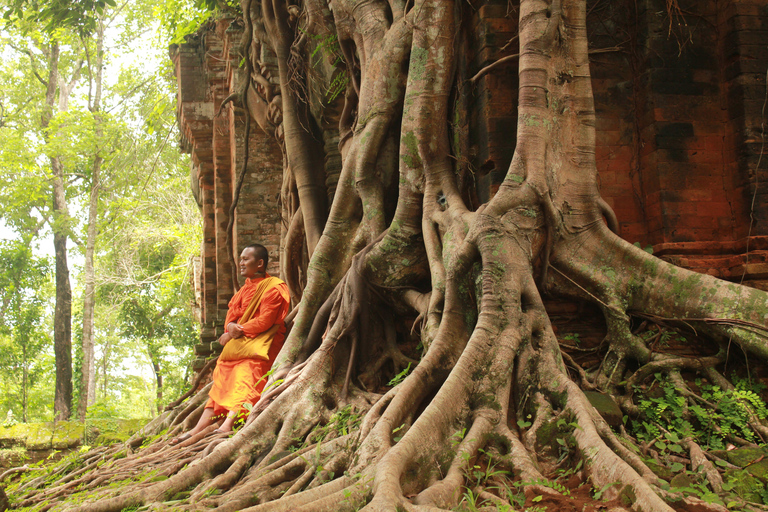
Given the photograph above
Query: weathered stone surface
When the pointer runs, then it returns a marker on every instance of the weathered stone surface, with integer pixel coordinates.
(743, 457)
(13, 457)
(39, 436)
(206, 70)
(67, 434)
(681, 480)
(35, 441)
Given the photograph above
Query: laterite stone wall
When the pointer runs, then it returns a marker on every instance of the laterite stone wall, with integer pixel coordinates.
(679, 103)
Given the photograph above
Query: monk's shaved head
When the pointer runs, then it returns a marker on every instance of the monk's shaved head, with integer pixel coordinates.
(259, 252)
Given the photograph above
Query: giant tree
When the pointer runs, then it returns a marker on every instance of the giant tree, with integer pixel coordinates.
(401, 237)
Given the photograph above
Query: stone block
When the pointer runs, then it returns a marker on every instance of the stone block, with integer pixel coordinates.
(67, 434)
(39, 436)
(13, 457)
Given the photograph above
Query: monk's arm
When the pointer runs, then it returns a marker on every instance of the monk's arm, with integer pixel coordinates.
(270, 311)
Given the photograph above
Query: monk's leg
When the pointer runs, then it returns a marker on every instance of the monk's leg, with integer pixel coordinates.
(228, 422)
(205, 419)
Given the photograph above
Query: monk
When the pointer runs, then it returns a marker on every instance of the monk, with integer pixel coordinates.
(254, 334)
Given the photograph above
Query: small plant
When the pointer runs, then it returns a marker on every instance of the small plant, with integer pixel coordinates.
(341, 423)
(598, 494)
(482, 474)
(468, 501)
(458, 437)
(396, 430)
(572, 338)
(400, 377)
(647, 248)
(669, 417)
(550, 484)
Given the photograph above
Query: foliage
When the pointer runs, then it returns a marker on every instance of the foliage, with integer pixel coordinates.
(667, 417)
(25, 290)
(148, 231)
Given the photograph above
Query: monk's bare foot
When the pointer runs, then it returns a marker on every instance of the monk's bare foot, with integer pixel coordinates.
(180, 439)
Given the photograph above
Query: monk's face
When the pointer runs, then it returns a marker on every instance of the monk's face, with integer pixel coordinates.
(249, 265)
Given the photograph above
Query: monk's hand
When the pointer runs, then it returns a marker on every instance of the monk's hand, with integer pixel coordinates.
(235, 330)
(224, 339)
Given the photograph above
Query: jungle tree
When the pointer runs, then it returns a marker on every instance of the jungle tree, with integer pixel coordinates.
(402, 236)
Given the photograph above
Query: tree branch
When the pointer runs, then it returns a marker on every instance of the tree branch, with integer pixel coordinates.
(32, 61)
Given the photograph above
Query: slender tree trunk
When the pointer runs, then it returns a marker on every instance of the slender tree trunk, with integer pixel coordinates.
(62, 324)
(62, 317)
(104, 373)
(24, 380)
(159, 380)
(88, 379)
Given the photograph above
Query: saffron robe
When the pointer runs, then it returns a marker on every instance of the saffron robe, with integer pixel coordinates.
(241, 381)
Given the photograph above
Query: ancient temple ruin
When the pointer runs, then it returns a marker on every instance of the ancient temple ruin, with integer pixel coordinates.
(680, 107)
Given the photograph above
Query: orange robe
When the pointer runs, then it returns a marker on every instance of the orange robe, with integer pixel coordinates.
(239, 382)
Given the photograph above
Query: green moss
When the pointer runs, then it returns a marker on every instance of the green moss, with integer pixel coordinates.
(116, 431)
(411, 156)
(658, 469)
(546, 435)
(743, 457)
(67, 434)
(759, 470)
(606, 406)
(743, 484)
(531, 120)
(627, 496)
(681, 480)
(418, 63)
(13, 436)
(39, 436)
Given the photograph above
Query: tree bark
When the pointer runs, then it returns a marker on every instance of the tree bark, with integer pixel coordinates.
(62, 319)
(88, 378)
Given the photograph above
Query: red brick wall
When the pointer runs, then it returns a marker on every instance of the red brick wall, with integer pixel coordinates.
(678, 123)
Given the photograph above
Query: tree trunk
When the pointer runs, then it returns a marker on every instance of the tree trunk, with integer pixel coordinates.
(62, 326)
(88, 379)
(62, 319)
(159, 383)
(24, 384)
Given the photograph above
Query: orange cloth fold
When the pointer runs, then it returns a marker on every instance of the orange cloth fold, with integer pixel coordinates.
(238, 382)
